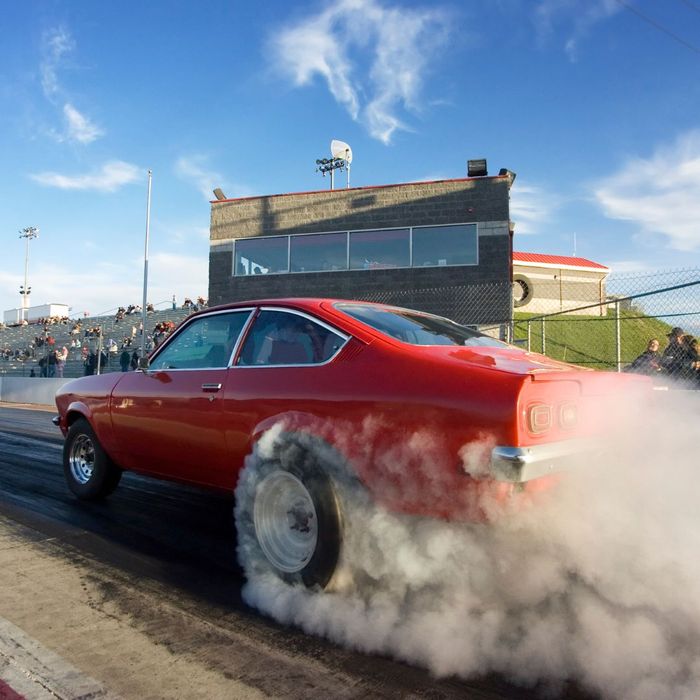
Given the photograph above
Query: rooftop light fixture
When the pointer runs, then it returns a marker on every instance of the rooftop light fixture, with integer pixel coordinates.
(341, 157)
(477, 168)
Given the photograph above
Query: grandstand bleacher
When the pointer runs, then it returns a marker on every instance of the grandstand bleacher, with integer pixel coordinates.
(20, 338)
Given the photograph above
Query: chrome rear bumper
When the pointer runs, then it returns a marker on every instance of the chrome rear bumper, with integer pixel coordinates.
(518, 464)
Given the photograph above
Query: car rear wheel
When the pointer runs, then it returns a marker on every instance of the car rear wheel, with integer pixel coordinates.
(288, 520)
(90, 473)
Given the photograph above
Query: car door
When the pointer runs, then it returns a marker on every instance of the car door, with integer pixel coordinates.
(280, 367)
(169, 419)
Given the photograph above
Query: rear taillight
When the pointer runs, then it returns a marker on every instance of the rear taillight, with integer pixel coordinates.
(539, 418)
(568, 415)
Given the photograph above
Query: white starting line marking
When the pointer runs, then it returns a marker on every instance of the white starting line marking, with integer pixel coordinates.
(38, 673)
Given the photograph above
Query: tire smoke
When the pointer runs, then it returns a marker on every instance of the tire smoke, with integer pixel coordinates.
(596, 581)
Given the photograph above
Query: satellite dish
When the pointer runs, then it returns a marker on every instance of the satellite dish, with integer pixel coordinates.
(340, 149)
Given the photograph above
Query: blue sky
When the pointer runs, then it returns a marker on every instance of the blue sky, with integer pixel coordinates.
(595, 104)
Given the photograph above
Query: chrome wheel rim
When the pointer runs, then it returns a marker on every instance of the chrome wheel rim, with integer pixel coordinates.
(82, 459)
(285, 521)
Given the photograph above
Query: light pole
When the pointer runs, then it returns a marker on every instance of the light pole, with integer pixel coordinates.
(28, 234)
(143, 362)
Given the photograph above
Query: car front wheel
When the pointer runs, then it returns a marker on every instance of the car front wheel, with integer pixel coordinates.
(288, 520)
(90, 473)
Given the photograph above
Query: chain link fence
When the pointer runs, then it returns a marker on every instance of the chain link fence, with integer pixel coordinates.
(601, 324)
(473, 305)
(610, 334)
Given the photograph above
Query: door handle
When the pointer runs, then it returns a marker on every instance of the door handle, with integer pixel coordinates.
(211, 387)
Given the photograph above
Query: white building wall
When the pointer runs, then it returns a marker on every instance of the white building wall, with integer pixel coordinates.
(34, 313)
(553, 289)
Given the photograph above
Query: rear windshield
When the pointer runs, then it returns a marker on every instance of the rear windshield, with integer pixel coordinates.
(415, 327)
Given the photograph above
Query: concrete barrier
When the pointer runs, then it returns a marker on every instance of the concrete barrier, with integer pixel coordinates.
(38, 390)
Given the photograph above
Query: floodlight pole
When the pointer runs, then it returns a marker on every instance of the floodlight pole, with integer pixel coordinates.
(28, 234)
(145, 267)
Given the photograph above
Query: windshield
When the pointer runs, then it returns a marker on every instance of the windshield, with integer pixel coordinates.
(415, 327)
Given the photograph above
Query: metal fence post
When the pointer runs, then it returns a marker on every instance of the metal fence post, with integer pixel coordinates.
(99, 351)
(618, 345)
(544, 342)
(529, 334)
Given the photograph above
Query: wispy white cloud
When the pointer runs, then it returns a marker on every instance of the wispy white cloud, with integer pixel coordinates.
(57, 46)
(182, 233)
(625, 266)
(531, 207)
(575, 18)
(103, 286)
(193, 169)
(660, 194)
(373, 57)
(57, 43)
(79, 127)
(109, 178)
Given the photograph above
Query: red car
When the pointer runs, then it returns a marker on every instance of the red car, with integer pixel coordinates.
(427, 416)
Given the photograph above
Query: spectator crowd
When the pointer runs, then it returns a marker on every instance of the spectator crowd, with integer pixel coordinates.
(679, 360)
(88, 344)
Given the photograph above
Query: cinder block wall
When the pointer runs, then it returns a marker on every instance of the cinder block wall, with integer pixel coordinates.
(482, 200)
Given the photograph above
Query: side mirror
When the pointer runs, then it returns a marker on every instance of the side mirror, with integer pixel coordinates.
(143, 363)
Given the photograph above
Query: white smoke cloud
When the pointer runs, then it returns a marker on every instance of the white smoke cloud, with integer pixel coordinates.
(596, 580)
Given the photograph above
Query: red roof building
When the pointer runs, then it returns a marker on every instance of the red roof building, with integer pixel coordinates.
(545, 284)
(558, 261)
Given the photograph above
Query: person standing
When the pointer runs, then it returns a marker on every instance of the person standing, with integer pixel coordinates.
(61, 357)
(51, 363)
(125, 360)
(90, 363)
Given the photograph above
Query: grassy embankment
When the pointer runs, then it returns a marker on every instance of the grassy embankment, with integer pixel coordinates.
(590, 340)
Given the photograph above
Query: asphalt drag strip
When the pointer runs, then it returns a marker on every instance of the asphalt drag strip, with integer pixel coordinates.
(141, 596)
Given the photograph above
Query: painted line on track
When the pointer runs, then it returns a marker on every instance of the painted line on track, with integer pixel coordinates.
(30, 670)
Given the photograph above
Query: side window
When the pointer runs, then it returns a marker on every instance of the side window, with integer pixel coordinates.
(206, 343)
(283, 338)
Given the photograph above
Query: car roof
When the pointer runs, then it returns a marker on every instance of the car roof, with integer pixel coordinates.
(309, 303)
(322, 307)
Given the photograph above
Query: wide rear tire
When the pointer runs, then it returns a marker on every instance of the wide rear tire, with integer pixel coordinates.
(90, 473)
(288, 519)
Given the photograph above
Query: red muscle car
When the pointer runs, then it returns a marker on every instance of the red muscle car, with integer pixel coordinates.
(428, 416)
